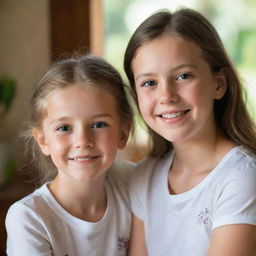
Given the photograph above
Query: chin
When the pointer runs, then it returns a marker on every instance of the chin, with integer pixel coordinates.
(174, 138)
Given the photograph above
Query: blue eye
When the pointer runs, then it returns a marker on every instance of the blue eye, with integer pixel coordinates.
(149, 83)
(183, 76)
(99, 125)
(64, 128)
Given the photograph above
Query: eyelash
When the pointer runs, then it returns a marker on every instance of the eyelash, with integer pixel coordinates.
(183, 74)
(100, 123)
(151, 83)
(96, 125)
(62, 128)
(146, 84)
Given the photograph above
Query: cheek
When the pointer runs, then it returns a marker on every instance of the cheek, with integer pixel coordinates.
(144, 103)
(57, 145)
(196, 96)
(203, 104)
(108, 140)
(109, 145)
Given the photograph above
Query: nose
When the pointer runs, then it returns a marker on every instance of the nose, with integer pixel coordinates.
(83, 139)
(168, 93)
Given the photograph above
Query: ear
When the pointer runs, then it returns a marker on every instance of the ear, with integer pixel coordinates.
(41, 141)
(221, 85)
(124, 135)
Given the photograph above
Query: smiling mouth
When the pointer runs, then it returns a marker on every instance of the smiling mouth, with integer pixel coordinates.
(174, 115)
(81, 159)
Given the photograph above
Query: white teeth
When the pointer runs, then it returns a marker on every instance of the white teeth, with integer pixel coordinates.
(82, 159)
(173, 115)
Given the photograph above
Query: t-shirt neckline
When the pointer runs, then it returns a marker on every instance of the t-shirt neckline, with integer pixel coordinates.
(69, 218)
(168, 162)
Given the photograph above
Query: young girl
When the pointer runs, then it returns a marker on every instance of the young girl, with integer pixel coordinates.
(80, 118)
(196, 192)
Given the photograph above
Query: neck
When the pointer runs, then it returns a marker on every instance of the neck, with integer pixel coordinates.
(84, 200)
(193, 161)
(202, 153)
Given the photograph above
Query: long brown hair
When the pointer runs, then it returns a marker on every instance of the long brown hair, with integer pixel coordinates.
(86, 71)
(230, 112)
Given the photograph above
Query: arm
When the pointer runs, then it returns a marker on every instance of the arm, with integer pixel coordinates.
(137, 245)
(233, 240)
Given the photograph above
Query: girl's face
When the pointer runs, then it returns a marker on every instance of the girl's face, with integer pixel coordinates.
(176, 89)
(81, 132)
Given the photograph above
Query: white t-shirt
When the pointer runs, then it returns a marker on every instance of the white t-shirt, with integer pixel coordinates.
(182, 224)
(37, 225)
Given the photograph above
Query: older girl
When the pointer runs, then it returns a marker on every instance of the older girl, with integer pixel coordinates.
(196, 192)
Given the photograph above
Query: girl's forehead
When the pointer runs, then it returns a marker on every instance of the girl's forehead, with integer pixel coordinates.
(78, 86)
(171, 48)
(75, 93)
(79, 100)
(173, 40)
(78, 89)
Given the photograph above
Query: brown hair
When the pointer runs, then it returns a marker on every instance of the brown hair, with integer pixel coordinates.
(91, 71)
(230, 112)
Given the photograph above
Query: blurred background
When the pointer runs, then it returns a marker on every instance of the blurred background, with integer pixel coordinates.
(33, 33)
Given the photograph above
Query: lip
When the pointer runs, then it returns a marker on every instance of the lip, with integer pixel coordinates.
(173, 116)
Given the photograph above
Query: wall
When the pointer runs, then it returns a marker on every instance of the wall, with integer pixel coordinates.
(24, 55)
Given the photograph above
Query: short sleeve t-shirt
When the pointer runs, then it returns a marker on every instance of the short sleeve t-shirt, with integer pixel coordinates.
(182, 224)
(38, 225)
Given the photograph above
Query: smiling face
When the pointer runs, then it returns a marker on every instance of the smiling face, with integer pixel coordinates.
(81, 132)
(176, 88)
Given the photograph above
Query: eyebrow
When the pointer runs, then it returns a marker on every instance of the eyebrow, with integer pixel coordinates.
(58, 120)
(66, 118)
(143, 75)
(172, 69)
(103, 115)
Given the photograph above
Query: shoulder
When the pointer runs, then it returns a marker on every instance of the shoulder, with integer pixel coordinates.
(151, 168)
(241, 164)
(121, 171)
(231, 189)
(118, 177)
(238, 172)
(241, 155)
(148, 174)
(26, 226)
(27, 208)
(236, 186)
